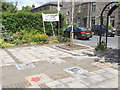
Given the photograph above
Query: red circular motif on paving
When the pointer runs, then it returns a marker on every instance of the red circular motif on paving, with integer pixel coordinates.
(35, 79)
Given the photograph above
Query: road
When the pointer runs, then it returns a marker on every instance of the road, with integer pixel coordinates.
(112, 41)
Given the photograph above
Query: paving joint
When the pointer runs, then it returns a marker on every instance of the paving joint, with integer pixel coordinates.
(13, 57)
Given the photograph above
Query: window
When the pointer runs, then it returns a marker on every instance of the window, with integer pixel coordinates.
(67, 13)
(93, 6)
(85, 22)
(79, 8)
(67, 21)
(112, 20)
(92, 21)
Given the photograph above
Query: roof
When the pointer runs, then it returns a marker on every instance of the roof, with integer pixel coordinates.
(49, 3)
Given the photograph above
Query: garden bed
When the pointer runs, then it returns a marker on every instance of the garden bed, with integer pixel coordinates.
(74, 47)
(111, 55)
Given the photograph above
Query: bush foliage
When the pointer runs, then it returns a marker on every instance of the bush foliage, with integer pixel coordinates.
(29, 37)
(101, 47)
(14, 22)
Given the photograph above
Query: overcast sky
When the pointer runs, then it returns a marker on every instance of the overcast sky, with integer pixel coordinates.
(21, 3)
(38, 3)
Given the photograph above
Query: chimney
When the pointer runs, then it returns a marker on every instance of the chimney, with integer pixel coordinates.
(33, 6)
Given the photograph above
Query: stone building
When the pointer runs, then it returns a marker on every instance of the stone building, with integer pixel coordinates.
(88, 14)
(52, 6)
(66, 9)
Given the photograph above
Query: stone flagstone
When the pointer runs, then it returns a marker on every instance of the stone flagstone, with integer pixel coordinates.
(24, 66)
(85, 80)
(56, 84)
(38, 79)
(101, 65)
(76, 84)
(34, 86)
(75, 70)
(55, 60)
(80, 57)
(67, 80)
(98, 78)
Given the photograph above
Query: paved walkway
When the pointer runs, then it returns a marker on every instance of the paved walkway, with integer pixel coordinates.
(51, 67)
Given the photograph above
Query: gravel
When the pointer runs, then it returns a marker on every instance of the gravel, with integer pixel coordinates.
(111, 55)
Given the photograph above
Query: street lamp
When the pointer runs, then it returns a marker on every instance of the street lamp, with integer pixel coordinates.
(59, 17)
(101, 21)
(72, 33)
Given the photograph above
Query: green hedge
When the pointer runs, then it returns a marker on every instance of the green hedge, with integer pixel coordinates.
(14, 22)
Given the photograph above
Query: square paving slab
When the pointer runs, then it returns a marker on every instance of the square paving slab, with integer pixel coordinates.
(56, 84)
(101, 65)
(75, 70)
(38, 79)
(55, 60)
(24, 66)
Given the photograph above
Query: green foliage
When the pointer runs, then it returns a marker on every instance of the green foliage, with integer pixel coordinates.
(3, 44)
(25, 9)
(110, 27)
(101, 47)
(17, 42)
(54, 41)
(64, 39)
(14, 22)
(118, 4)
(29, 37)
(9, 7)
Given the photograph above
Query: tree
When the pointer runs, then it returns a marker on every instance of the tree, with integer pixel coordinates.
(9, 7)
(26, 9)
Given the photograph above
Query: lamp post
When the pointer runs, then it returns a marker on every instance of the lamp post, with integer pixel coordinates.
(72, 33)
(108, 15)
(59, 17)
(101, 22)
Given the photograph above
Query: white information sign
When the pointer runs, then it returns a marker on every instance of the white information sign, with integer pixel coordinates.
(50, 17)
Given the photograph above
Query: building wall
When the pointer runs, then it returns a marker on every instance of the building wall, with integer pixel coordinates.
(89, 15)
(66, 9)
(45, 8)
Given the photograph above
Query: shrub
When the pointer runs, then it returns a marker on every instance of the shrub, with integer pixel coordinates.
(3, 44)
(14, 22)
(29, 36)
(101, 47)
(110, 27)
(17, 42)
(64, 39)
(54, 41)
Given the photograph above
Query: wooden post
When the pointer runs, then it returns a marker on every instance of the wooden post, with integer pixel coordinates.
(52, 29)
(44, 27)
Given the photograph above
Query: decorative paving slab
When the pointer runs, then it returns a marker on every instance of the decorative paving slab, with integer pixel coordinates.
(55, 60)
(56, 84)
(101, 65)
(24, 66)
(38, 79)
(75, 70)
